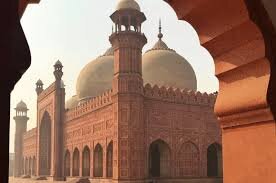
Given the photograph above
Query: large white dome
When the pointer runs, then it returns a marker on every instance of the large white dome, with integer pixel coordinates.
(96, 77)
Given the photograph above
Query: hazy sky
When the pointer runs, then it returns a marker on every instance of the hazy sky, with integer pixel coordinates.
(76, 32)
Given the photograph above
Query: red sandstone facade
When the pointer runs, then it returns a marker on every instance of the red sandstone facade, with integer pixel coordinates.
(132, 132)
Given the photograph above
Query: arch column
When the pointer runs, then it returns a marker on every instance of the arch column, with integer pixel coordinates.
(71, 163)
(80, 163)
(241, 40)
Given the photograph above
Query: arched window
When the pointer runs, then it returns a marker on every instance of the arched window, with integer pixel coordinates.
(159, 159)
(67, 163)
(109, 160)
(214, 160)
(45, 145)
(188, 160)
(76, 162)
(86, 162)
(98, 161)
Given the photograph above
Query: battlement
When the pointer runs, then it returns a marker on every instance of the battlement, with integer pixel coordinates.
(47, 91)
(176, 95)
(89, 105)
(30, 134)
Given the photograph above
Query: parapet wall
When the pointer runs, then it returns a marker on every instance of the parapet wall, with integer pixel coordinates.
(29, 143)
(89, 105)
(176, 95)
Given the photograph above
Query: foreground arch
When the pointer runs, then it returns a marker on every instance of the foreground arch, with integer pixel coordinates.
(240, 36)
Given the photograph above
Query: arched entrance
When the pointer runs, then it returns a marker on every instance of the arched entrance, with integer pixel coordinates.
(45, 145)
(67, 164)
(159, 159)
(98, 161)
(76, 162)
(109, 160)
(214, 160)
(188, 160)
(86, 162)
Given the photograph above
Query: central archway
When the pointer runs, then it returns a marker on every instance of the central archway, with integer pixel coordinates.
(45, 145)
(159, 159)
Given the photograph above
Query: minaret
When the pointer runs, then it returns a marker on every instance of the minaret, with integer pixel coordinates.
(57, 160)
(20, 128)
(127, 42)
(39, 87)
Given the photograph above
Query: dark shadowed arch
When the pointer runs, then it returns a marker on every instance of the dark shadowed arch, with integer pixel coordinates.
(98, 161)
(45, 145)
(34, 166)
(26, 166)
(76, 162)
(214, 160)
(109, 160)
(86, 162)
(159, 159)
(67, 163)
(30, 166)
(188, 160)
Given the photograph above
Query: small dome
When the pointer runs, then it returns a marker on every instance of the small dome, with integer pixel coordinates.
(96, 77)
(72, 102)
(58, 63)
(21, 105)
(128, 4)
(39, 82)
(162, 66)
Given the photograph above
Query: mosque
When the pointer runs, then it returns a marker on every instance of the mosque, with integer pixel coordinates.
(135, 117)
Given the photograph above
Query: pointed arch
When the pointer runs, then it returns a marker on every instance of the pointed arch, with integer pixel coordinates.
(67, 164)
(86, 162)
(214, 160)
(159, 159)
(34, 166)
(98, 161)
(109, 160)
(188, 160)
(45, 144)
(26, 166)
(30, 166)
(76, 162)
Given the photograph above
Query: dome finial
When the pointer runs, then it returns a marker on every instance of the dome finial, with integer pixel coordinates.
(160, 35)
